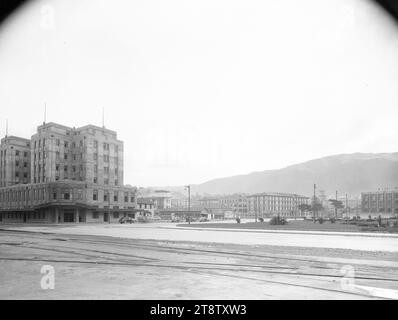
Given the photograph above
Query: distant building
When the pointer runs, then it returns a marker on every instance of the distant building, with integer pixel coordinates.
(237, 203)
(160, 198)
(272, 204)
(76, 175)
(146, 207)
(383, 203)
(209, 202)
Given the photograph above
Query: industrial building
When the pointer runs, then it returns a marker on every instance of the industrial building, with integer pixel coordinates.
(64, 174)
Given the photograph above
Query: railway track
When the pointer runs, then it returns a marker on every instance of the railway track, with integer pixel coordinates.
(234, 270)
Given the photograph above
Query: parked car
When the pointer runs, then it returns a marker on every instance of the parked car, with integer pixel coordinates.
(126, 220)
(203, 219)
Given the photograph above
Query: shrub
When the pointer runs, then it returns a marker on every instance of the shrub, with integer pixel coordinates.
(277, 221)
(320, 220)
(332, 220)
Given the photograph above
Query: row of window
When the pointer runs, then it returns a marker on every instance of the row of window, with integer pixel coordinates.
(17, 153)
(20, 215)
(25, 164)
(106, 181)
(106, 146)
(25, 174)
(38, 194)
(115, 196)
(96, 215)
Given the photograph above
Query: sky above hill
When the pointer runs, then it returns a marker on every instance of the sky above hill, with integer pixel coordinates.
(205, 89)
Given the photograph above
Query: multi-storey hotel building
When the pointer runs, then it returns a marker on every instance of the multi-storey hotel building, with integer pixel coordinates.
(64, 174)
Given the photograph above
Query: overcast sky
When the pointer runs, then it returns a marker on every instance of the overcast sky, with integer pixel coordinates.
(204, 89)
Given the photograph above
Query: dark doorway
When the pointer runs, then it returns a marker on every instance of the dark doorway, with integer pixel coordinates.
(24, 217)
(106, 216)
(68, 216)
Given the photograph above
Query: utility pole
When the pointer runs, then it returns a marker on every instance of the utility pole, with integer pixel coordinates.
(188, 187)
(335, 207)
(346, 204)
(314, 200)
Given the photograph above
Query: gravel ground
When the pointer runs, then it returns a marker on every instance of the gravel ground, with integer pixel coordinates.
(90, 266)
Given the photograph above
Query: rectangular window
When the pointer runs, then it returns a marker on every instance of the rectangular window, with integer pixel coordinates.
(106, 169)
(95, 179)
(95, 195)
(57, 142)
(16, 152)
(57, 155)
(54, 196)
(106, 181)
(95, 156)
(74, 157)
(95, 215)
(17, 163)
(66, 195)
(105, 196)
(65, 144)
(116, 215)
(95, 168)
(95, 144)
(115, 197)
(132, 199)
(126, 197)
(66, 156)
(66, 168)
(25, 164)
(116, 182)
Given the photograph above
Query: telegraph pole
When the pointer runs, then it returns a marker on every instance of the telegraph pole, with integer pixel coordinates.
(314, 200)
(189, 203)
(335, 207)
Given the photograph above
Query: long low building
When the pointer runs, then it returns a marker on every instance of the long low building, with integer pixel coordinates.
(270, 204)
(66, 201)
